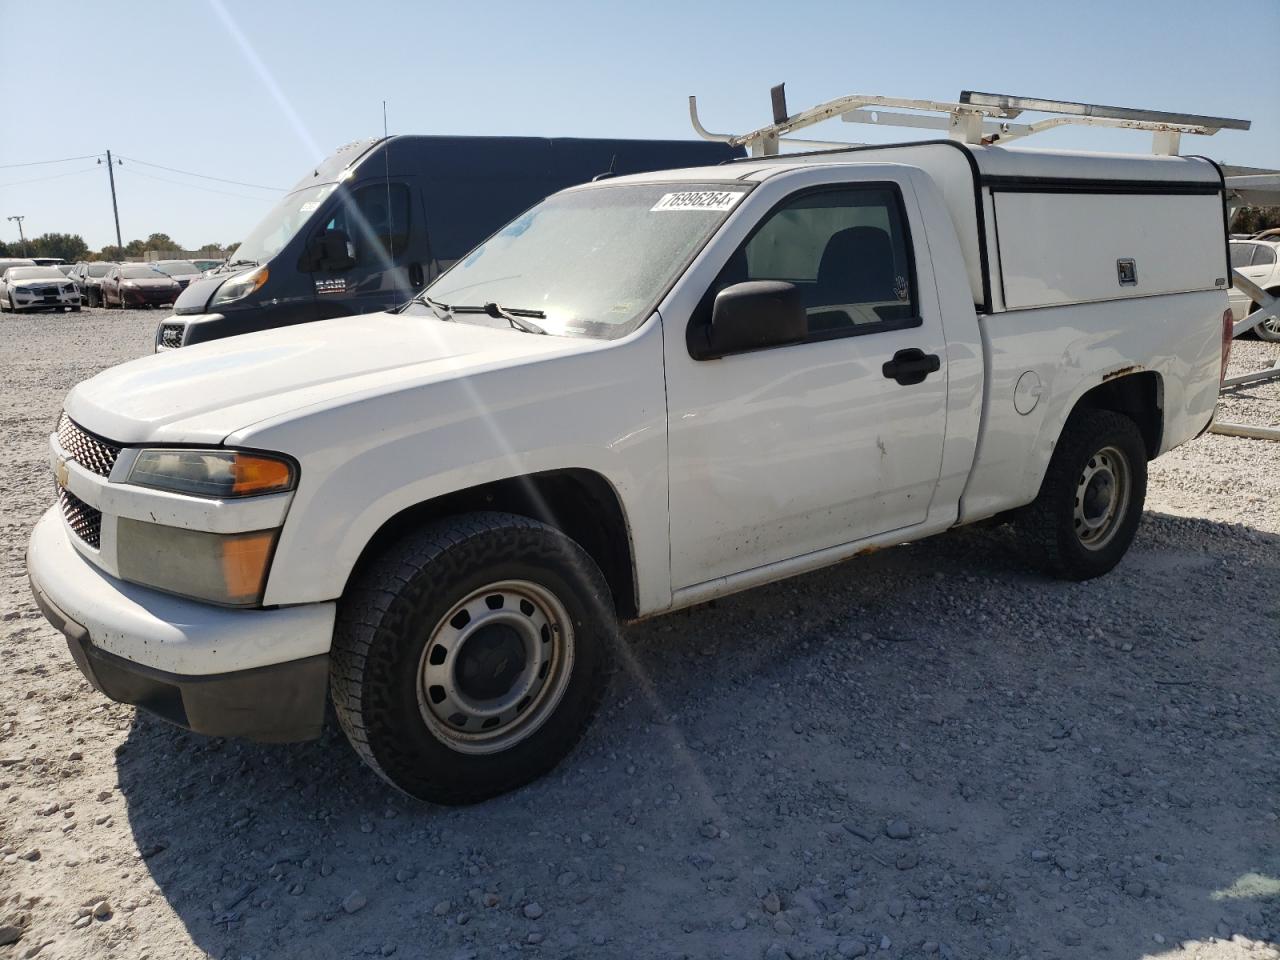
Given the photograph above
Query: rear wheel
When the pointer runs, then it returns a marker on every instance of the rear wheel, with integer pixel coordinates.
(470, 657)
(1090, 501)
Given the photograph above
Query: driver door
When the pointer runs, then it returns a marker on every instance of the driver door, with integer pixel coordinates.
(784, 451)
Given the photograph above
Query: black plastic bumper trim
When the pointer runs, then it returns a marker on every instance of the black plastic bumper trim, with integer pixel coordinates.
(279, 703)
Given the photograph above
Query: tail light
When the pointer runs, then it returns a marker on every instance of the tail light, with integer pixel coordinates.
(1228, 325)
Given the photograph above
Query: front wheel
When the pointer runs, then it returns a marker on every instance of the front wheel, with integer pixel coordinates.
(1091, 499)
(470, 657)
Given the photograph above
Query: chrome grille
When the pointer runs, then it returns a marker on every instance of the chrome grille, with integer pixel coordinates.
(85, 522)
(171, 334)
(92, 453)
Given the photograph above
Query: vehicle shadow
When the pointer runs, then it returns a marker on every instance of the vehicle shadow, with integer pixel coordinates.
(1082, 769)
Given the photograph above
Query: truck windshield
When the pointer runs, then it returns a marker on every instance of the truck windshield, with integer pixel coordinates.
(278, 227)
(595, 261)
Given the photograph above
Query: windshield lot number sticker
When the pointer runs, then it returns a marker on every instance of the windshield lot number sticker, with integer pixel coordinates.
(717, 200)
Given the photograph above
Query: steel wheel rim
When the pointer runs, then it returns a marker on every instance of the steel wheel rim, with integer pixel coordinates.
(1101, 498)
(1272, 324)
(472, 651)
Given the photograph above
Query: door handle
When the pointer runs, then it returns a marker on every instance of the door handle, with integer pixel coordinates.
(911, 366)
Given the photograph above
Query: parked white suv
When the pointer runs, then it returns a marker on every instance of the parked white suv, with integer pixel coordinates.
(1259, 260)
(642, 394)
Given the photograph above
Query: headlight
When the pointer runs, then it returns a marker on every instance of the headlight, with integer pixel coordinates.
(239, 287)
(228, 569)
(212, 473)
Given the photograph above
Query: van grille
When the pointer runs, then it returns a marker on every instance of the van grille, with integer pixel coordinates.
(85, 522)
(92, 453)
(171, 335)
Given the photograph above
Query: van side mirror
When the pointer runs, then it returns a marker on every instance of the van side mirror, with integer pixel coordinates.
(751, 316)
(329, 250)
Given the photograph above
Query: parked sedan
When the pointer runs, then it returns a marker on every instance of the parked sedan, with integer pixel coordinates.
(137, 285)
(1259, 260)
(88, 277)
(37, 288)
(184, 271)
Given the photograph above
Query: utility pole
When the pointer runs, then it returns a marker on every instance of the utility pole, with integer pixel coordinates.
(20, 235)
(115, 209)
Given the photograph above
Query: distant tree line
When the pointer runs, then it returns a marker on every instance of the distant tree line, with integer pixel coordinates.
(72, 248)
(1255, 219)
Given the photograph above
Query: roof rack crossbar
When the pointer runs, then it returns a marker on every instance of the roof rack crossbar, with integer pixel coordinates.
(977, 118)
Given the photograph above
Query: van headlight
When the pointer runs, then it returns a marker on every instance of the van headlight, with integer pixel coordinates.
(229, 569)
(239, 287)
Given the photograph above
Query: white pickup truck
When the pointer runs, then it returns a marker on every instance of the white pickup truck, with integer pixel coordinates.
(641, 394)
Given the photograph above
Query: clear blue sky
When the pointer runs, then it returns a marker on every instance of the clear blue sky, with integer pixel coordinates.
(254, 91)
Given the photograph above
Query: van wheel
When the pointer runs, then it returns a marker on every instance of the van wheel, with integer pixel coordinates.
(470, 657)
(1090, 502)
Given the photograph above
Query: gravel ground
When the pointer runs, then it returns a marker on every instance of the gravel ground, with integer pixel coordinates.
(926, 752)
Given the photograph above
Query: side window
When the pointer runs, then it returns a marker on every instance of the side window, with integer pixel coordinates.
(1240, 254)
(1263, 256)
(847, 250)
(379, 222)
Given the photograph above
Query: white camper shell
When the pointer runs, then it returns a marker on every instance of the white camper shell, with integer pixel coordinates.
(1040, 228)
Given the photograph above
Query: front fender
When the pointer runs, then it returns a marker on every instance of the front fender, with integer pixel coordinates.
(364, 462)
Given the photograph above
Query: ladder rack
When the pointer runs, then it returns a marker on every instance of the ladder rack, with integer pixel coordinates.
(977, 118)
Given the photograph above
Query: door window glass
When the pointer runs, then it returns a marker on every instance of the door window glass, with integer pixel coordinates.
(1263, 256)
(1240, 254)
(846, 250)
(376, 218)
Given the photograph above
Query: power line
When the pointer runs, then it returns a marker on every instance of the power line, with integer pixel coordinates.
(202, 176)
(190, 186)
(40, 163)
(56, 176)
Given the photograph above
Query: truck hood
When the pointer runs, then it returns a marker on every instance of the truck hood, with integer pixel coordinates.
(204, 393)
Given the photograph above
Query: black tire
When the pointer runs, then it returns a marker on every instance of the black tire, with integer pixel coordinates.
(1055, 534)
(395, 609)
(75, 309)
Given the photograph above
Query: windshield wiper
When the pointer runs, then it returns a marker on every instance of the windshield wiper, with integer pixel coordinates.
(239, 263)
(442, 310)
(514, 316)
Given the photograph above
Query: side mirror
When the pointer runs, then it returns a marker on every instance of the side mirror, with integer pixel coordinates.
(751, 316)
(329, 250)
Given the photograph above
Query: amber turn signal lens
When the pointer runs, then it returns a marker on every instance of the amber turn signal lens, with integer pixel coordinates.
(260, 475)
(245, 559)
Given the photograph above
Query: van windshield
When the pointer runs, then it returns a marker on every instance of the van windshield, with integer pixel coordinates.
(594, 261)
(278, 227)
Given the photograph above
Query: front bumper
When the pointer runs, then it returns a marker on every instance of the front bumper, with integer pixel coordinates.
(260, 674)
(24, 301)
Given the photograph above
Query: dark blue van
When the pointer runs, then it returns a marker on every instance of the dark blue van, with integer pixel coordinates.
(370, 225)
